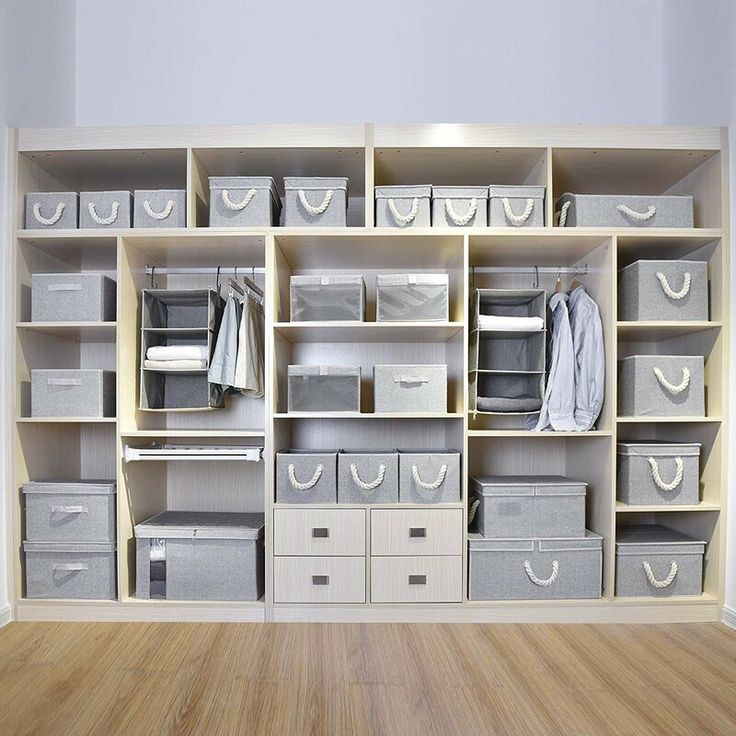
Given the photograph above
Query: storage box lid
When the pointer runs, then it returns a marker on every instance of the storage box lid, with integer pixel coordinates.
(117, 192)
(527, 485)
(622, 197)
(405, 191)
(293, 451)
(645, 538)
(661, 263)
(323, 370)
(406, 279)
(367, 452)
(72, 547)
(201, 525)
(244, 183)
(526, 191)
(440, 451)
(168, 192)
(69, 487)
(477, 542)
(316, 183)
(71, 276)
(460, 192)
(658, 448)
(64, 372)
(327, 280)
(656, 358)
(33, 195)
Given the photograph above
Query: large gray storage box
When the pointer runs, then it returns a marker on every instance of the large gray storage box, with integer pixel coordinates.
(459, 206)
(515, 206)
(315, 201)
(84, 392)
(160, 208)
(368, 476)
(653, 560)
(403, 205)
(105, 209)
(663, 290)
(524, 507)
(418, 297)
(306, 476)
(429, 476)
(200, 556)
(57, 210)
(327, 298)
(323, 388)
(534, 569)
(83, 571)
(661, 385)
(72, 297)
(410, 389)
(244, 201)
(70, 511)
(625, 210)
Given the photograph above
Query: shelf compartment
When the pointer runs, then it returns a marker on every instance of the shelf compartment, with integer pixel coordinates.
(368, 332)
(366, 415)
(656, 331)
(74, 331)
(622, 508)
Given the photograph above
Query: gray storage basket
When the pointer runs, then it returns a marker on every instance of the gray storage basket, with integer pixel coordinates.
(105, 209)
(410, 389)
(72, 297)
(244, 201)
(327, 298)
(516, 206)
(315, 201)
(624, 210)
(52, 210)
(71, 392)
(306, 476)
(160, 208)
(420, 297)
(323, 388)
(404, 206)
(429, 476)
(368, 476)
(459, 206)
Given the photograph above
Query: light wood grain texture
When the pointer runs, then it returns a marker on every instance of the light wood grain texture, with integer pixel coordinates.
(319, 579)
(319, 532)
(417, 532)
(423, 579)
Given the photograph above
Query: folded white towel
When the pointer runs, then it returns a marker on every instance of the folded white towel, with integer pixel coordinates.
(510, 324)
(175, 364)
(177, 352)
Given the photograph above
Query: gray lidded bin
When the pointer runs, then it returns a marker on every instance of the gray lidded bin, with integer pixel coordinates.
(429, 476)
(367, 476)
(661, 385)
(663, 290)
(658, 473)
(327, 298)
(411, 389)
(70, 511)
(200, 556)
(534, 569)
(419, 297)
(516, 206)
(70, 392)
(72, 297)
(459, 206)
(625, 210)
(653, 560)
(47, 210)
(161, 208)
(244, 201)
(524, 507)
(76, 571)
(105, 209)
(323, 388)
(403, 205)
(306, 476)
(315, 201)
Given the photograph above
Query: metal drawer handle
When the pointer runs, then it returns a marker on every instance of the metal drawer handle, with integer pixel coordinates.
(69, 510)
(320, 532)
(416, 532)
(657, 478)
(660, 583)
(320, 579)
(70, 567)
(417, 579)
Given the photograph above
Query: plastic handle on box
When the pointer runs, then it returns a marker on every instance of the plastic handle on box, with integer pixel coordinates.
(319, 209)
(407, 378)
(310, 483)
(429, 486)
(165, 212)
(320, 579)
(671, 387)
(417, 579)
(542, 582)
(237, 206)
(638, 216)
(48, 220)
(417, 532)
(320, 532)
(404, 219)
(373, 484)
(65, 287)
(660, 583)
(669, 291)
(70, 567)
(63, 381)
(69, 510)
(679, 468)
(517, 220)
(104, 220)
(461, 220)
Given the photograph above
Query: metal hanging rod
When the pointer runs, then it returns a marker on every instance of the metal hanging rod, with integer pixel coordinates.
(532, 269)
(223, 271)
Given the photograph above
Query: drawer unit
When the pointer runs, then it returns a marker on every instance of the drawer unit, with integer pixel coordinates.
(306, 476)
(72, 393)
(423, 579)
(403, 205)
(323, 388)
(72, 297)
(367, 476)
(244, 201)
(314, 201)
(429, 476)
(319, 532)
(47, 210)
(105, 209)
(459, 206)
(625, 210)
(515, 206)
(418, 297)
(319, 579)
(414, 532)
(160, 208)
(339, 298)
(410, 389)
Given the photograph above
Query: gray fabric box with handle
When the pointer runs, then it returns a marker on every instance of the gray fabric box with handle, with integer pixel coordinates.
(323, 388)
(306, 476)
(72, 393)
(244, 201)
(418, 297)
(164, 208)
(410, 389)
(368, 476)
(429, 476)
(72, 297)
(315, 201)
(624, 210)
(459, 206)
(105, 209)
(404, 206)
(327, 298)
(52, 210)
(516, 206)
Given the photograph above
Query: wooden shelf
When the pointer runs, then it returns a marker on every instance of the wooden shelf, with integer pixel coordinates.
(365, 415)
(368, 331)
(535, 435)
(668, 420)
(622, 508)
(193, 433)
(654, 331)
(75, 331)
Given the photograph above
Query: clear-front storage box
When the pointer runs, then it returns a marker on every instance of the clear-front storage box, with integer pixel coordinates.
(367, 476)
(323, 388)
(72, 297)
(315, 201)
(420, 297)
(515, 206)
(105, 209)
(160, 208)
(402, 205)
(306, 476)
(459, 206)
(244, 201)
(429, 476)
(410, 389)
(52, 210)
(72, 392)
(327, 298)
(625, 210)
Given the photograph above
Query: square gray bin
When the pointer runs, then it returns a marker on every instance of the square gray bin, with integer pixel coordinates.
(410, 389)
(160, 208)
(306, 476)
(315, 201)
(200, 556)
(323, 388)
(516, 206)
(70, 511)
(663, 290)
(244, 201)
(418, 297)
(403, 205)
(105, 209)
(367, 476)
(658, 473)
(525, 507)
(72, 297)
(624, 210)
(534, 569)
(72, 393)
(661, 385)
(80, 571)
(655, 561)
(52, 210)
(327, 298)
(429, 476)
(459, 206)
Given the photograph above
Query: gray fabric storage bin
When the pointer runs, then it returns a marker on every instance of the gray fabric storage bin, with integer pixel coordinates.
(411, 389)
(315, 201)
(244, 201)
(534, 569)
(658, 473)
(420, 297)
(70, 511)
(459, 206)
(327, 298)
(367, 476)
(663, 290)
(429, 476)
(625, 210)
(403, 205)
(516, 206)
(52, 210)
(105, 209)
(80, 571)
(323, 388)
(200, 556)
(661, 385)
(72, 297)
(306, 476)
(524, 507)
(655, 561)
(70, 392)
(165, 208)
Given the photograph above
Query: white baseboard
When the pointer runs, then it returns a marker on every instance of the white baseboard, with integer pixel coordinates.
(728, 616)
(5, 617)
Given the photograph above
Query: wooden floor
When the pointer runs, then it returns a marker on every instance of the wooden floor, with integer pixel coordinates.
(220, 679)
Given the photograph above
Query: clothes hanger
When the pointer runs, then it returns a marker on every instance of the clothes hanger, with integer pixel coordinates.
(558, 286)
(253, 287)
(575, 283)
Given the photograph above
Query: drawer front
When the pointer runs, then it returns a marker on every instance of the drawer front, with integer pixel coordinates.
(416, 532)
(317, 532)
(319, 579)
(416, 579)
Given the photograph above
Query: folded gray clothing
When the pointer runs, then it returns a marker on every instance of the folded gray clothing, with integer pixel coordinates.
(504, 404)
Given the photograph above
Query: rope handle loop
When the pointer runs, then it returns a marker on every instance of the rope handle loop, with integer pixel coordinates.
(562, 214)
(668, 290)
(429, 486)
(542, 582)
(311, 483)
(104, 220)
(373, 484)
(461, 220)
(671, 387)
(660, 583)
(237, 206)
(637, 216)
(517, 220)
(657, 478)
(165, 212)
(48, 220)
(473, 511)
(407, 218)
(320, 208)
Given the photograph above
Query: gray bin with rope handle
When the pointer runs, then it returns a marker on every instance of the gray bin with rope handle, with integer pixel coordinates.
(624, 210)
(411, 389)
(244, 201)
(459, 206)
(367, 476)
(306, 476)
(160, 208)
(429, 476)
(52, 210)
(72, 297)
(404, 206)
(315, 201)
(516, 206)
(105, 209)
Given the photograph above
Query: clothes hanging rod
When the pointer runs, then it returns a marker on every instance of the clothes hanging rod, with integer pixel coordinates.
(224, 271)
(533, 270)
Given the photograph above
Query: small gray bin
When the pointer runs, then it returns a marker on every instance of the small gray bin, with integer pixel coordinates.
(244, 201)
(523, 507)
(658, 473)
(327, 298)
(72, 297)
(410, 389)
(368, 476)
(315, 201)
(429, 476)
(200, 556)
(661, 385)
(70, 511)
(417, 297)
(52, 210)
(656, 561)
(306, 476)
(516, 206)
(105, 209)
(160, 208)
(81, 571)
(459, 206)
(534, 569)
(73, 393)
(402, 205)
(663, 290)
(625, 210)
(323, 388)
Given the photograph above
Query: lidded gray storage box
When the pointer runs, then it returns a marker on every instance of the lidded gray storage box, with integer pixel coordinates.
(324, 388)
(160, 208)
(105, 209)
(306, 476)
(403, 205)
(315, 201)
(410, 389)
(57, 210)
(658, 473)
(327, 298)
(71, 392)
(244, 201)
(663, 290)
(200, 556)
(516, 206)
(625, 210)
(417, 297)
(654, 560)
(459, 206)
(429, 476)
(72, 297)
(368, 476)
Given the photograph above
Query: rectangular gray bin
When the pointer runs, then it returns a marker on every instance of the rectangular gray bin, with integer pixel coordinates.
(306, 476)
(418, 297)
(70, 511)
(403, 205)
(656, 561)
(663, 290)
(534, 569)
(160, 208)
(200, 556)
(315, 201)
(105, 209)
(84, 392)
(410, 389)
(459, 206)
(524, 507)
(661, 385)
(625, 210)
(429, 476)
(368, 476)
(52, 210)
(72, 297)
(244, 201)
(323, 388)
(327, 298)
(658, 473)
(516, 206)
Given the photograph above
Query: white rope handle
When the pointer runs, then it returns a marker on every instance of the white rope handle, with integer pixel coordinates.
(660, 583)
(404, 219)
(429, 486)
(103, 220)
(671, 387)
(679, 467)
(517, 220)
(373, 484)
(667, 289)
(542, 582)
(562, 214)
(310, 483)
(458, 219)
(638, 216)
(165, 212)
(237, 206)
(319, 209)
(48, 220)
(473, 511)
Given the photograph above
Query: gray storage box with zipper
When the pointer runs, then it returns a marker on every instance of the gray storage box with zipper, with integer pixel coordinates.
(403, 206)
(327, 298)
(410, 389)
(417, 297)
(459, 206)
(429, 476)
(244, 201)
(72, 393)
(367, 476)
(625, 210)
(315, 201)
(306, 476)
(72, 297)
(160, 208)
(105, 209)
(323, 388)
(52, 210)
(515, 206)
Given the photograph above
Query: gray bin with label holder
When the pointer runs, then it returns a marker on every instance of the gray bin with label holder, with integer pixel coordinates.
(72, 297)
(71, 392)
